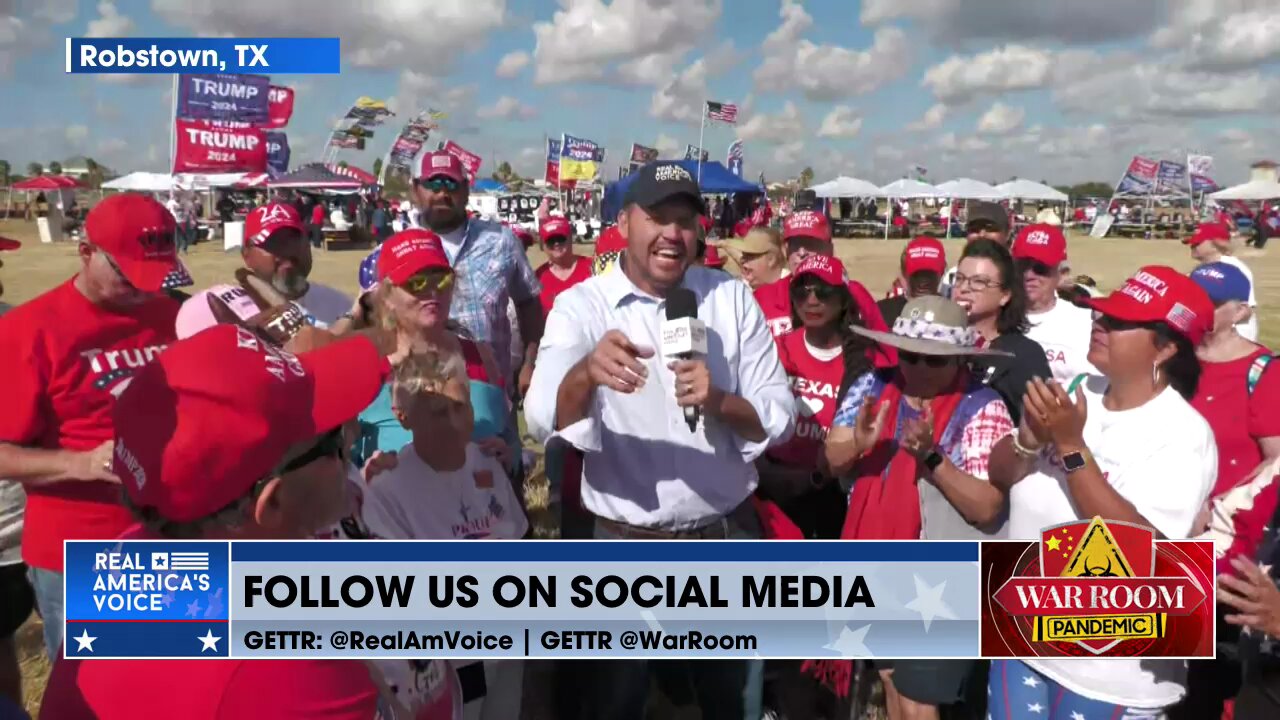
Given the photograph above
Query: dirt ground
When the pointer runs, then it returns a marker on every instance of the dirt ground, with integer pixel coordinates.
(35, 268)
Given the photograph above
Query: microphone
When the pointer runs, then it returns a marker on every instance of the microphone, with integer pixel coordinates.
(684, 336)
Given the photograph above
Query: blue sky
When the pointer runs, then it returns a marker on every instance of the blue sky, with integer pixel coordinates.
(1063, 91)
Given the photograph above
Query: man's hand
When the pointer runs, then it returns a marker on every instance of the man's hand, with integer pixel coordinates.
(378, 463)
(92, 464)
(615, 363)
(870, 423)
(693, 385)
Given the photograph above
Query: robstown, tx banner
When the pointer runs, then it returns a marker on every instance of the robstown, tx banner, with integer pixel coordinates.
(207, 147)
(240, 98)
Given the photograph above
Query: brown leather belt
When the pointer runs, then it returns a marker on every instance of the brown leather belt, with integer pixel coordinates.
(716, 529)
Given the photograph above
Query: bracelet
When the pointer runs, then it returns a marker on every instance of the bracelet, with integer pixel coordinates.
(1022, 450)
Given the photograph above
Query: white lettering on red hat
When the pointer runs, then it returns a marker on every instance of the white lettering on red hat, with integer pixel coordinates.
(670, 173)
(1138, 293)
(130, 461)
(1152, 282)
(804, 220)
(923, 252)
(438, 161)
(273, 213)
(1039, 237)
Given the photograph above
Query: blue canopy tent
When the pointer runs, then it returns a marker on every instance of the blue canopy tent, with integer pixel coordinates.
(488, 185)
(716, 180)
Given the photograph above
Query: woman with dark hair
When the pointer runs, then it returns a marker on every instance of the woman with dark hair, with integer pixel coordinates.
(989, 288)
(1125, 445)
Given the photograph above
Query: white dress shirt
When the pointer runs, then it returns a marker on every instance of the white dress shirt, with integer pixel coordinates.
(642, 464)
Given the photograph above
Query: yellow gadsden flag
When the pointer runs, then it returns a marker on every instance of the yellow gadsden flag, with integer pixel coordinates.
(369, 103)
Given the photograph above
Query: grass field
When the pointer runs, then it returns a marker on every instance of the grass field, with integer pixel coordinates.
(35, 268)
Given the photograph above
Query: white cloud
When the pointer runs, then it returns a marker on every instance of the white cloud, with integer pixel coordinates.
(668, 146)
(76, 135)
(1078, 21)
(951, 142)
(841, 122)
(827, 72)
(1214, 37)
(1137, 89)
(931, 119)
(55, 11)
(109, 23)
(1003, 69)
(512, 63)
(1001, 119)
(790, 155)
(506, 108)
(586, 37)
(784, 128)
(680, 99)
(386, 34)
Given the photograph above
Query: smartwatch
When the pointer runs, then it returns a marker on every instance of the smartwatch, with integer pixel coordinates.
(933, 460)
(1073, 461)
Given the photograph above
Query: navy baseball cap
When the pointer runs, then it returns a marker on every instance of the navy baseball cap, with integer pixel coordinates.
(1222, 281)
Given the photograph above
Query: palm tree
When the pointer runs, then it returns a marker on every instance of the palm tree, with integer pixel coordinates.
(35, 169)
(55, 168)
(95, 173)
(806, 177)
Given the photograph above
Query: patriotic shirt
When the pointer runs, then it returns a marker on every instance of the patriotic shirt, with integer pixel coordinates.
(64, 362)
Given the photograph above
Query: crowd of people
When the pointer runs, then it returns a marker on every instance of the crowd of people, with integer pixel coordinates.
(988, 398)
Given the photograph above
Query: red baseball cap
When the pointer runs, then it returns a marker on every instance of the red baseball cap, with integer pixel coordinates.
(555, 227)
(924, 253)
(265, 221)
(1042, 243)
(9, 244)
(826, 268)
(1209, 232)
(1158, 293)
(216, 413)
(442, 164)
(806, 223)
(137, 232)
(408, 253)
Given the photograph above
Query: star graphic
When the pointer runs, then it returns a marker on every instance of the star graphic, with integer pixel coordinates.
(1035, 707)
(167, 599)
(851, 642)
(193, 609)
(215, 604)
(84, 641)
(1053, 543)
(929, 603)
(209, 641)
(1030, 681)
(1077, 715)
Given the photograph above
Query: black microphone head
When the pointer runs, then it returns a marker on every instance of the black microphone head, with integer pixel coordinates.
(681, 303)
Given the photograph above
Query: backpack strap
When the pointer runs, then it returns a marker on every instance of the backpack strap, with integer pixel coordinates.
(1075, 382)
(1255, 370)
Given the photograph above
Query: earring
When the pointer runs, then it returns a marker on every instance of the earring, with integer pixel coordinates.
(1155, 374)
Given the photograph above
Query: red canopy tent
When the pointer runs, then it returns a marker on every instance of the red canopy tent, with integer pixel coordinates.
(47, 182)
(353, 172)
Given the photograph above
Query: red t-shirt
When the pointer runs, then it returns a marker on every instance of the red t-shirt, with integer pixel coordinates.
(815, 384)
(317, 214)
(64, 361)
(552, 286)
(775, 302)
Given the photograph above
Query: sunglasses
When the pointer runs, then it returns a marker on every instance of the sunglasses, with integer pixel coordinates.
(331, 444)
(424, 281)
(933, 361)
(1110, 324)
(820, 290)
(1034, 266)
(438, 184)
(556, 240)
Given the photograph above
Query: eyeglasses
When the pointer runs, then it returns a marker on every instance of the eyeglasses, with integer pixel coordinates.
(1035, 266)
(331, 444)
(423, 281)
(1111, 324)
(438, 184)
(977, 282)
(933, 361)
(119, 273)
(820, 290)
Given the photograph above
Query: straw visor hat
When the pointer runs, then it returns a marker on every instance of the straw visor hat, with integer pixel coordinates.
(932, 325)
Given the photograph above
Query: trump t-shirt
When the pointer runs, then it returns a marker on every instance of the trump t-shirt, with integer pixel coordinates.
(814, 375)
(64, 362)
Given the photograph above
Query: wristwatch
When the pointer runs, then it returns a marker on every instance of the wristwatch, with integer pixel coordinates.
(933, 460)
(1073, 461)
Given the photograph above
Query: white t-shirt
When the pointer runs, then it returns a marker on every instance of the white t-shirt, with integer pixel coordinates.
(1249, 328)
(1163, 459)
(1063, 331)
(452, 242)
(325, 304)
(415, 502)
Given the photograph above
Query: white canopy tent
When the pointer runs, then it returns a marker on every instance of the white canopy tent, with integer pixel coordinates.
(969, 189)
(846, 187)
(905, 189)
(1019, 189)
(141, 182)
(1261, 189)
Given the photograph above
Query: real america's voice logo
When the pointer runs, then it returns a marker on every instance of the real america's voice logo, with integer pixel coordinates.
(1097, 588)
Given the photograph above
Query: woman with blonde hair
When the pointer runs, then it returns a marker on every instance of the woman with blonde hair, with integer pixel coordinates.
(758, 255)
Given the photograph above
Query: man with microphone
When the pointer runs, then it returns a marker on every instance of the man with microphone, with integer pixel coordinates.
(601, 386)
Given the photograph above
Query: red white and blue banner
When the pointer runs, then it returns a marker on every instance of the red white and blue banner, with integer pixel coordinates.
(1171, 178)
(734, 159)
(206, 147)
(1200, 168)
(236, 98)
(279, 106)
(1140, 178)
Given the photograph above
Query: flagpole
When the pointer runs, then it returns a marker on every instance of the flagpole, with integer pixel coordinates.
(701, 130)
(173, 127)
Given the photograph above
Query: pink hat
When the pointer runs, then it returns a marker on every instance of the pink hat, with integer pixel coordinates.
(1157, 293)
(264, 221)
(137, 232)
(216, 413)
(409, 252)
(806, 223)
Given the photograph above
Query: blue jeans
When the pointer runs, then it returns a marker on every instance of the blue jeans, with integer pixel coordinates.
(48, 587)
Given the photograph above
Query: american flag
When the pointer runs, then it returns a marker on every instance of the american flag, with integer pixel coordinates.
(723, 112)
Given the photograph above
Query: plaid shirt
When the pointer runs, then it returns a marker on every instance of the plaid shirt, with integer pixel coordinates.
(491, 269)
